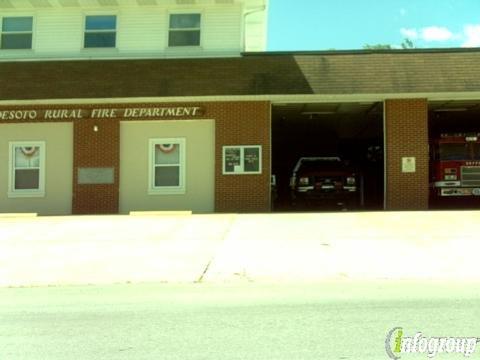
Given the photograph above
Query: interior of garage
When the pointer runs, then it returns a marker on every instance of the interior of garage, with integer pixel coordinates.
(452, 117)
(351, 131)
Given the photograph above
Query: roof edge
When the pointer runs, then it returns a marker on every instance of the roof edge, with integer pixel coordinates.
(364, 51)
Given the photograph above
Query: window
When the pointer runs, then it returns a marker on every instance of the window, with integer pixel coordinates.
(27, 169)
(167, 166)
(242, 159)
(100, 31)
(454, 151)
(184, 30)
(476, 151)
(17, 32)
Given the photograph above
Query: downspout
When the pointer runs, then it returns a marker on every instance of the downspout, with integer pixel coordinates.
(250, 12)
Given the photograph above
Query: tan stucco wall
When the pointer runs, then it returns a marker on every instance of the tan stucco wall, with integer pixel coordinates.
(200, 165)
(58, 139)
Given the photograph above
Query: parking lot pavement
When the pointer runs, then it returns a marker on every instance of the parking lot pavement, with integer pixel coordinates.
(369, 245)
(285, 247)
(107, 249)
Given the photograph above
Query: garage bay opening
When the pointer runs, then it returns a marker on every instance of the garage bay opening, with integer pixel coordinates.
(327, 156)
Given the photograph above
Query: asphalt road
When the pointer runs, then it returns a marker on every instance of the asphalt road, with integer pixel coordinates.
(342, 320)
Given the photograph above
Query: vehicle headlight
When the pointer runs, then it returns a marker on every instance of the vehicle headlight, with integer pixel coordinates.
(350, 180)
(303, 181)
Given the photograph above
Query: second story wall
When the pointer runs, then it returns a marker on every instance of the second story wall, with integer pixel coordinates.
(140, 31)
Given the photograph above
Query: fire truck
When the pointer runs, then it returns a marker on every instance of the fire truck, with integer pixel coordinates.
(456, 165)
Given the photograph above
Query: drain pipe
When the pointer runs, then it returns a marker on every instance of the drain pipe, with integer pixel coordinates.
(250, 12)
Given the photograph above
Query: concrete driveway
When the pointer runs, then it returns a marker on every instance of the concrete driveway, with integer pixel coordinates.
(306, 247)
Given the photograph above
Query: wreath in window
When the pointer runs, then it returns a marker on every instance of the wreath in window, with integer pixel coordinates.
(166, 148)
(28, 151)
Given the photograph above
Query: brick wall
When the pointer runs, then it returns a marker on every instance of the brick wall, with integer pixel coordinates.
(242, 123)
(92, 150)
(406, 133)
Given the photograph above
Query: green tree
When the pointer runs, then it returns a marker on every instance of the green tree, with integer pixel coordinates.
(377, 46)
(407, 44)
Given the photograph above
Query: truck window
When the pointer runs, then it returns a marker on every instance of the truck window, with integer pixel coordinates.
(454, 152)
(476, 151)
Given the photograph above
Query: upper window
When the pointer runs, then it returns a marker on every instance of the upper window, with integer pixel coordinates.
(17, 32)
(184, 30)
(27, 169)
(100, 31)
(244, 159)
(167, 166)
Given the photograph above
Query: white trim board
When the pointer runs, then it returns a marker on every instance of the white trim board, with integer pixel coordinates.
(275, 99)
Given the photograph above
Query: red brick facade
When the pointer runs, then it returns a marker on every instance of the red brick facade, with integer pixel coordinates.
(406, 135)
(93, 149)
(242, 123)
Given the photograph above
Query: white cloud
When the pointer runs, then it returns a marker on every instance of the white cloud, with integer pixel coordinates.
(437, 33)
(472, 35)
(409, 33)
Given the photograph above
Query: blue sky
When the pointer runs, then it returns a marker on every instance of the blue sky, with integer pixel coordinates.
(349, 24)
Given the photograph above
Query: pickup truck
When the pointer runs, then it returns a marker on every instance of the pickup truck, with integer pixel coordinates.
(325, 181)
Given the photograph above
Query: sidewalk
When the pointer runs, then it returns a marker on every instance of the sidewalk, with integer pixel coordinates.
(306, 247)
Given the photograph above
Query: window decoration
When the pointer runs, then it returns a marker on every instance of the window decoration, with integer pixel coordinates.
(27, 169)
(167, 166)
(167, 148)
(29, 151)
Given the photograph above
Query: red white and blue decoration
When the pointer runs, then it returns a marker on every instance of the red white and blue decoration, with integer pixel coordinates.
(167, 148)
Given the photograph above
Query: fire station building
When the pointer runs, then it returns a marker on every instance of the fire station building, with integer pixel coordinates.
(145, 105)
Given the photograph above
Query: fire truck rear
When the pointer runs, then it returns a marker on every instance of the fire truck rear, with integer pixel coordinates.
(456, 165)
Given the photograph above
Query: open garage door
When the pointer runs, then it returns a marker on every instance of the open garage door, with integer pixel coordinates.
(454, 131)
(327, 156)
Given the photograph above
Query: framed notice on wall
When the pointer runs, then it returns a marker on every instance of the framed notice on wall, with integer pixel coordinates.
(232, 160)
(408, 165)
(91, 176)
(242, 159)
